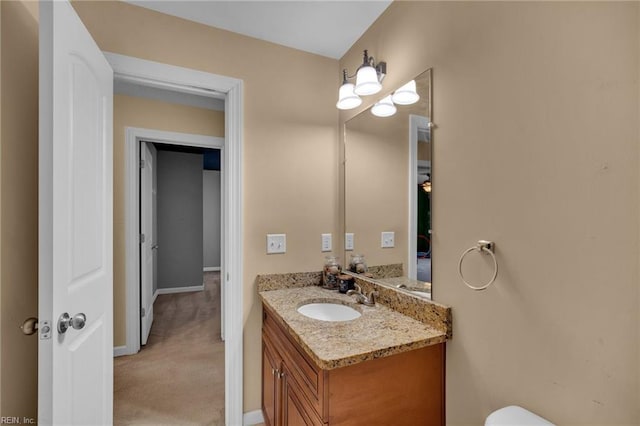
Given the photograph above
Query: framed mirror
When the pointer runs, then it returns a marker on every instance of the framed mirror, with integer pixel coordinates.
(388, 165)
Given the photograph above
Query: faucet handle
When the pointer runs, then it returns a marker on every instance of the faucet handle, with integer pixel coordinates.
(357, 292)
(373, 296)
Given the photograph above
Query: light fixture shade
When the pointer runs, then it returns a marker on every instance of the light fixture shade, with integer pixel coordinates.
(367, 81)
(406, 95)
(384, 108)
(347, 99)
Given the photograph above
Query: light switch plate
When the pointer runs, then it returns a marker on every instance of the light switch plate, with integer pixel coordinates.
(326, 242)
(348, 241)
(388, 240)
(276, 243)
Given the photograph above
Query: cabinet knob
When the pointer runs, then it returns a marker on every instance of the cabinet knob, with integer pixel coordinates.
(277, 373)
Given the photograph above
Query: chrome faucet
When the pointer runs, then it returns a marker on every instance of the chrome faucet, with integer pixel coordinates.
(369, 300)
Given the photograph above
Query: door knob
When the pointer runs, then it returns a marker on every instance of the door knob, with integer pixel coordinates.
(29, 326)
(65, 321)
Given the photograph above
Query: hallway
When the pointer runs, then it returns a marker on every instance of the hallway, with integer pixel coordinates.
(178, 377)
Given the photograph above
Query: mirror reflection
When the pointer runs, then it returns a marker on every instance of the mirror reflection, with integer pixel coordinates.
(388, 189)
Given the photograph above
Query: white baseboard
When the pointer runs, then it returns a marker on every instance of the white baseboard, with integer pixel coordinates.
(252, 418)
(172, 290)
(155, 296)
(120, 351)
(210, 268)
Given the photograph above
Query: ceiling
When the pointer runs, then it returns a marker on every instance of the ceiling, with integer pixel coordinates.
(324, 27)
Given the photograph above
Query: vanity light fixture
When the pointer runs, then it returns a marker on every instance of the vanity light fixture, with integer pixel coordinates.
(368, 82)
(384, 107)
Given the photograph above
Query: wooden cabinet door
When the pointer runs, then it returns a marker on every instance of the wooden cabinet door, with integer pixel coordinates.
(308, 377)
(271, 365)
(296, 410)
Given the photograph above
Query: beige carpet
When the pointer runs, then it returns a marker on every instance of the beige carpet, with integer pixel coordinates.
(178, 377)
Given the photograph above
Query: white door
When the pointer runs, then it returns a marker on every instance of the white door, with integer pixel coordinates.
(148, 244)
(75, 366)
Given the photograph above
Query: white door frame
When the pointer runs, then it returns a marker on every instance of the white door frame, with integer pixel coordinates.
(186, 80)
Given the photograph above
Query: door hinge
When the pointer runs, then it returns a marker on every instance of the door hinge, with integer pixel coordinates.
(143, 312)
(142, 239)
(142, 164)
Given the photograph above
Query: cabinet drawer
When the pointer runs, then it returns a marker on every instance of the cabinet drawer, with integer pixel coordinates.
(309, 378)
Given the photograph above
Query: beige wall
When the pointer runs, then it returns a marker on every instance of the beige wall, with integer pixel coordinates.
(290, 132)
(19, 201)
(424, 151)
(149, 114)
(376, 186)
(537, 149)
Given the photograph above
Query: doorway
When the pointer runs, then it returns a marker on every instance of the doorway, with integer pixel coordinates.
(187, 81)
(138, 296)
(180, 235)
(181, 332)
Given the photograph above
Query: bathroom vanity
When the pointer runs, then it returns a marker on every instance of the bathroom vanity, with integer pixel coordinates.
(384, 367)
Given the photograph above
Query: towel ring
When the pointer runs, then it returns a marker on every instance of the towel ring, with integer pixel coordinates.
(486, 247)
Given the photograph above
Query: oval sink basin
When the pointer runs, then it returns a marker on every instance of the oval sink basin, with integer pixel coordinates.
(329, 312)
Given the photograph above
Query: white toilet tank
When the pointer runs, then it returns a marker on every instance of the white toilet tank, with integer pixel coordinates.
(515, 416)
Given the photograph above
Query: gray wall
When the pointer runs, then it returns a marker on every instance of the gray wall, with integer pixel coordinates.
(180, 251)
(211, 202)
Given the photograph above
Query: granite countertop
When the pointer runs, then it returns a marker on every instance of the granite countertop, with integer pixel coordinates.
(410, 284)
(379, 332)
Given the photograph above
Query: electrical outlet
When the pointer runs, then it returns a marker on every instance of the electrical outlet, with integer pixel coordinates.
(388, 240)
(326, 242)
(276, 243)
(348, 241)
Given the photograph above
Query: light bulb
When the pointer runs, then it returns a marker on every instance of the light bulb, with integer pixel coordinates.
(406, 95)
(347, 99)
(367, 81)
(384, 108)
